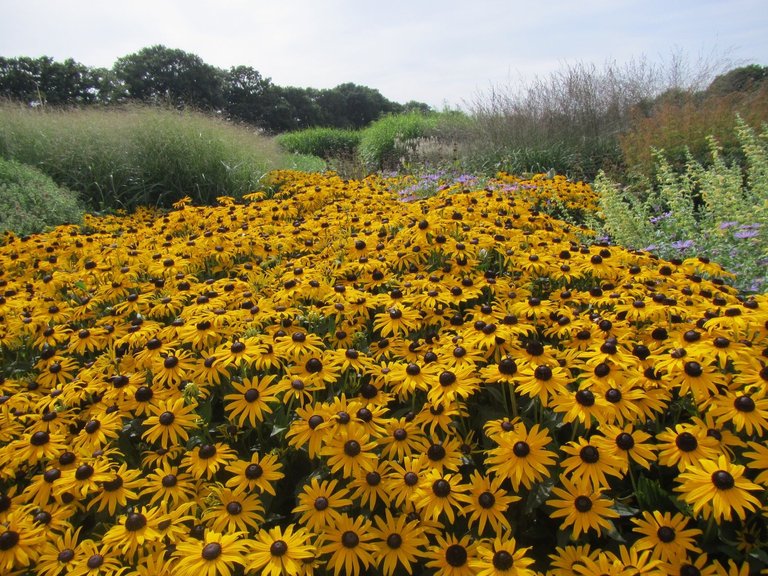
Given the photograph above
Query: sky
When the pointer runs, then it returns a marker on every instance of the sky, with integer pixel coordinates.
(447, 53)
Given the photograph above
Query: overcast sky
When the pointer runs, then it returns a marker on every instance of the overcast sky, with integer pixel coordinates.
(442, 52)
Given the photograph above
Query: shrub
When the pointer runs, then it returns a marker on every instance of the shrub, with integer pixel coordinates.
(139, 155)
(680, 123)
(718, 212)
(388, 142)
(30, 201)
(322, 142)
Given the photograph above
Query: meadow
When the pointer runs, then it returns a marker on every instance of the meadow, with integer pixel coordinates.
(333, 376)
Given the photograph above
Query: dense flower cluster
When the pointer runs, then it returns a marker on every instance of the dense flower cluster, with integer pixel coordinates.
(333, 381)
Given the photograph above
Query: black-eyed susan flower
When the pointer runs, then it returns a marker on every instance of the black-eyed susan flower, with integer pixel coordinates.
(215, 554)
(542, 382)
(565, 559)
(744, 409)
(444, 455)
(308, 429)
(502, 557)
(167, 484)
(170, 422)
(121, 488)
(260, 473)
(60, 554)
(489, 504)
(581, 507)
(630, 444)
(350, 545)
(98, 560)
(320, 503)
(369, 488)
(229, 512)
(404, 478)
(280, 552)
(251, 400)
(666, 535)
(400, 542)
(685, 445)
(587, 462)
(439, 494)
(522, 455)
(402, 437)
(718, 488)
(20, 542)
(452, 556)
(134, 532)
(205, 460)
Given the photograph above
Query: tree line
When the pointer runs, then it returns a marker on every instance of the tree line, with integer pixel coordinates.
(162, 75)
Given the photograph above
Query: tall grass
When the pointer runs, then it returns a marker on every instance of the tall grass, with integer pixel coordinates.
(123, 158)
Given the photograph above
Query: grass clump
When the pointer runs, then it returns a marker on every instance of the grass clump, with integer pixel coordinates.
(127, 157)
(718, 212)
(30, 201)
(387, 143)
(321, 142)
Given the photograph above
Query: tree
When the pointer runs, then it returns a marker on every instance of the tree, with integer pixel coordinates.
(45, 81)
(352, 106)
(738, 80)
(158, 74)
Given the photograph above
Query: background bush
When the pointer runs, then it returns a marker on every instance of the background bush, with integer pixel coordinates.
(325, 143)
(719, 211)
(387, 143)
(30, 201)
(123, 158)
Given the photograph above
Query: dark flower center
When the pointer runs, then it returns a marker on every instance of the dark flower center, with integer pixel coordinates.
(521, 449)
(625, 441)
(723, 480)
(50, 476)
(135, 522)
(441, 488)
(486, 500)
(251, 395)
(350, 539)
(234, 508)
(321, 503)
(502, 560)
(278, 548)
(207, 451)
(613, 395)
(143, 394)
(400, 434)
(43, 517)
(585, 398)
(583, 503)
(436, 452)
(507, 366)
(394, 541)
(410, 478)
(211, 551)
(665, 534)
(686, 442)
(169, 481)
(543, 372)
(253, 471)
(170, 362)
(39, 438)
(602, 370)
(589, 454)
(447, 379)
(744, 404)
(373, 478)
(166, 418)
(8, 540)
(456, 555)
(412, 369)
(352, 448)
(315, 421)
(693, 369)
(95, 561)
(313, 365)
(84, 472)
(66, 555)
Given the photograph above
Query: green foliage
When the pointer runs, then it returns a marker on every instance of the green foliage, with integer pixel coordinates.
(718, 211)
(30, 201)
(321, 142)
(386, 143)
(140, 156)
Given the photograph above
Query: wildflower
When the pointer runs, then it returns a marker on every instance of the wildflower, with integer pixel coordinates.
(214, 555)
(279, 552)
(581, 507)
(349, 544)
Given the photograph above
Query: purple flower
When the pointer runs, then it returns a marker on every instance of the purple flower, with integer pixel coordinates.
(682, 244)
(745, 233)
(729, 224)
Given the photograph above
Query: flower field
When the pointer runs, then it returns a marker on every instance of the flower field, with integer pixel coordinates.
(335, 379)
